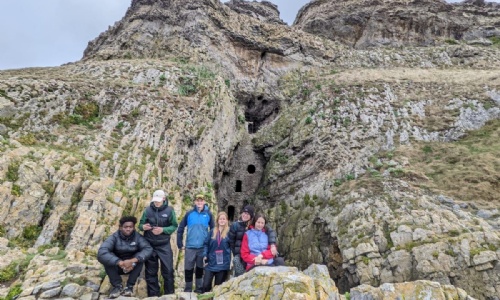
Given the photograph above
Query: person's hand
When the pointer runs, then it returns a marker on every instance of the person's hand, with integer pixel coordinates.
(147, 226)
(258, 260)
(263, 262)
(182, 248)
(274, 250)
(128, 264)
(205, 262)
(121, 264)
(157, 230)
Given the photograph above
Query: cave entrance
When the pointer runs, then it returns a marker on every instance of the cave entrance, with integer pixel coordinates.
(238, 186)
(230, 212)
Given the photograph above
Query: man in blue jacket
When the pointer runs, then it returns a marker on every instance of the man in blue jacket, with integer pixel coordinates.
(198, 221)
(124, 252)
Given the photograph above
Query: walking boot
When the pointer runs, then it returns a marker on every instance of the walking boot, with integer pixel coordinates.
(199, 286)
(189, 287)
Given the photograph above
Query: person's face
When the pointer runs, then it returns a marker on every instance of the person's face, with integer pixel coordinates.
(222, 221)
(158, 204)
(259, 224)
(199, 202)
(127, 228)
(245, 216)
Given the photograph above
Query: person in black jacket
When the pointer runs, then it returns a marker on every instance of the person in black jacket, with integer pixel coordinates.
(236, 233)
(124, 252)
(158, 222)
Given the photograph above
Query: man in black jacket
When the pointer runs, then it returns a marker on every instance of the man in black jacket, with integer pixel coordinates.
(158, 222)
(124, 252)
(236, 233)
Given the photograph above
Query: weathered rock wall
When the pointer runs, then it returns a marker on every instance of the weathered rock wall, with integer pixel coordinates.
(373, 23)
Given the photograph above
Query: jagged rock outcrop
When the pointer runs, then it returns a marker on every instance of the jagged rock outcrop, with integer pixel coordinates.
(419, 289)
(371, 23)
(280, 283)
(264, 11)
(381, 164)
(208, 29)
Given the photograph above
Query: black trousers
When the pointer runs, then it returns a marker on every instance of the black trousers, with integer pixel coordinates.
(163, 254)
(277, 262)
(220, 277)
(114, 273)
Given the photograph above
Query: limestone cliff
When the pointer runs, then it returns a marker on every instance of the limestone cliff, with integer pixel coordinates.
(381, 164)
(396, 23)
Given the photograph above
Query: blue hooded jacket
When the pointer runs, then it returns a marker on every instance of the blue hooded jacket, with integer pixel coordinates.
(198, 225)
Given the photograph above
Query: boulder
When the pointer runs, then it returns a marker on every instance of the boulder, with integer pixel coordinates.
(279, 283)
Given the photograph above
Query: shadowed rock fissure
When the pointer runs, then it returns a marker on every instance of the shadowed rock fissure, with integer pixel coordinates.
(241, 179)
(241, 175)
(259, 112)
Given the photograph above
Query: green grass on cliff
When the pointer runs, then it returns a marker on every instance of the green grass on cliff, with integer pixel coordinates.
(467, 170)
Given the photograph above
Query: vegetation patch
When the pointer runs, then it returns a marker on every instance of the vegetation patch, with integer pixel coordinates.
(196, 79)
(15, 268)
(28, 139)
(13, 293)
(85, 114)
(66, 224)
(16, 190)
(495, 40)
(13, 171)
(466, 169)
(27, 238)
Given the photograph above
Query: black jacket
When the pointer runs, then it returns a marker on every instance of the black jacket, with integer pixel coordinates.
(237, 231)
(163, 216)
(119, 247)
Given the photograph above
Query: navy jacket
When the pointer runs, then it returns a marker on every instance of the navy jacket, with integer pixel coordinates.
(210, 246)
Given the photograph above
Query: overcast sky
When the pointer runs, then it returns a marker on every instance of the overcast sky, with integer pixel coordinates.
(39, 33)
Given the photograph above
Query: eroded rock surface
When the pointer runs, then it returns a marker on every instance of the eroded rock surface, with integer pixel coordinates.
(372, 23)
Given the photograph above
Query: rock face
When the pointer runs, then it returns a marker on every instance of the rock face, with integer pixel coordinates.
(372, 23)
(264, 11)
(381, 164)
(245, 45)
(419, 289)
(280, 283)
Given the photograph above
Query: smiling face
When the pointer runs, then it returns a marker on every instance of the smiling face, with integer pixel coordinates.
(245, 217)
(127, 228)
(222, 220)
(260, 223)
(200, 203)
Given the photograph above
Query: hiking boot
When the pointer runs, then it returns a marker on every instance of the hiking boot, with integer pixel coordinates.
(189, 287)
(115, 292)
(128, 291)
(199, 286)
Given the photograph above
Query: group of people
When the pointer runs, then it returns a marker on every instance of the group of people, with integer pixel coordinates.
(207, 248)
